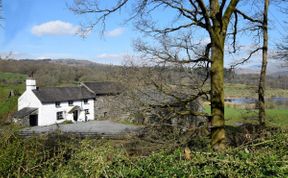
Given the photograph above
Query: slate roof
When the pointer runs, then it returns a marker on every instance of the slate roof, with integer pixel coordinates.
(104, 88)
(24, 112)
(74, 108)
(60, 94)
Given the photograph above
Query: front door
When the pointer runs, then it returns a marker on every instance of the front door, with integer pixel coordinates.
(75, 115)
(33, 120)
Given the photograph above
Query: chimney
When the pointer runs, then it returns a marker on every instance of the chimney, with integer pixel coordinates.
(30, 84)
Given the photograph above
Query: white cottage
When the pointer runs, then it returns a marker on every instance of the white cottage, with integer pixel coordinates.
(46, 106)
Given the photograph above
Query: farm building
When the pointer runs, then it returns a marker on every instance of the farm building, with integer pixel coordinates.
(46, 106)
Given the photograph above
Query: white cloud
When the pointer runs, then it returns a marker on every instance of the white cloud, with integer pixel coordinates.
(56, 27)
(15, 55)
(115, 32)
(110, 56)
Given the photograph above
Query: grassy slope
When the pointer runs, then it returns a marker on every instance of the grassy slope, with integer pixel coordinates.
(242, 90)
(8, 82)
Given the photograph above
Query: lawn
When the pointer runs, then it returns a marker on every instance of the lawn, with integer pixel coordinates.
(242, 90)
(234, 114)
(10, 82)
(275, 117)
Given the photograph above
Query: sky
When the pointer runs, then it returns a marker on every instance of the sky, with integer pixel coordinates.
(46, 29)
(39, 29)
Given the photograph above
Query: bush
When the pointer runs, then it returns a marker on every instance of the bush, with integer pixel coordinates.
(31, 157)
(264, 158)
(59, 156)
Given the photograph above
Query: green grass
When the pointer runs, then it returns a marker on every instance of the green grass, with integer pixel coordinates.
(239, 90)
(8, 82)
(275, 117)
(242, 90)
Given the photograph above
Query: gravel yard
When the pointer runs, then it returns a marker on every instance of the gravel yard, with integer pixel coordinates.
(100, 128)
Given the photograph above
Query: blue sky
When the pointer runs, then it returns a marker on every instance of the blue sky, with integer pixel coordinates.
(45, 29)
(32, 29)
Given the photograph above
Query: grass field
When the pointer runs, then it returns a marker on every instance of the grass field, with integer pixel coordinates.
(242, 90)
(234, 115)
(10, 82)
(275, 117)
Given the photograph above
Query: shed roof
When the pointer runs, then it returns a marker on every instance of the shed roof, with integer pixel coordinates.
(104, 88)
(60, 94)
(24, 112)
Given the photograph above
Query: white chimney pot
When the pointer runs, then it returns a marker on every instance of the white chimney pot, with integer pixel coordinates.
(30, 84)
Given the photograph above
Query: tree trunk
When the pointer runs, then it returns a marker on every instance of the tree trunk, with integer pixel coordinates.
(262, 80)
(217, 93)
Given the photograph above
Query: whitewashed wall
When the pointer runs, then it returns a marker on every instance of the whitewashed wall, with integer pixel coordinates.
(49, 112)
(28, 99)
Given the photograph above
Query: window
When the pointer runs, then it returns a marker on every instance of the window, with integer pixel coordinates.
(57, 104)
(59, 115)
(85, 101)
(70, 103)
(87, 111)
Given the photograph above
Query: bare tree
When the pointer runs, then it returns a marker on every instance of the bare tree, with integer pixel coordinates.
(262, 79)
(282, 53)
(209, 17)
(283, 50)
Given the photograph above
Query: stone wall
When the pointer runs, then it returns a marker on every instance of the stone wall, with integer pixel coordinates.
(125, 107)
(110, 107)
(22, 121)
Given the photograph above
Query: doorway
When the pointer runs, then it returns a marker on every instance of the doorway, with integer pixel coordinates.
(33, 120)
(75, 115)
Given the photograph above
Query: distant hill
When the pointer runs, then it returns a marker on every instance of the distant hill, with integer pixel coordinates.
(75, 62)
(246, 71)
(281, 73)
(67, 61)
(275, 68)
(53, 72)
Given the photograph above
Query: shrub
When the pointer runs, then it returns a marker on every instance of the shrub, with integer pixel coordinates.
(59, 156)
(30, 157)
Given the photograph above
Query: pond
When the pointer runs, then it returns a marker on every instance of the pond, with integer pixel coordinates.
(279, 102)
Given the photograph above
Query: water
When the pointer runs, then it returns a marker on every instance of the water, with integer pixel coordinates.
(279, 102)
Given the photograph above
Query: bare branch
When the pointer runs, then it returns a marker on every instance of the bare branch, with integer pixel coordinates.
(205, 15)
(251, 19)
(229, 10)
(86, 7)
(245, 59)
(235, 32)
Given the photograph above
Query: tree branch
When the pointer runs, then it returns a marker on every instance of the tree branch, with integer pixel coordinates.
(248, 17)
(245, 59)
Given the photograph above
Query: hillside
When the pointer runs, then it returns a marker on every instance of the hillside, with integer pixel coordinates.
(59, 72)
(10, 82)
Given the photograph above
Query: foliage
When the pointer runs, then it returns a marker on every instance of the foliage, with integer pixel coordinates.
(92, 159)
(9, 82)
(59, 156)
(259, 159)
(31, 157)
